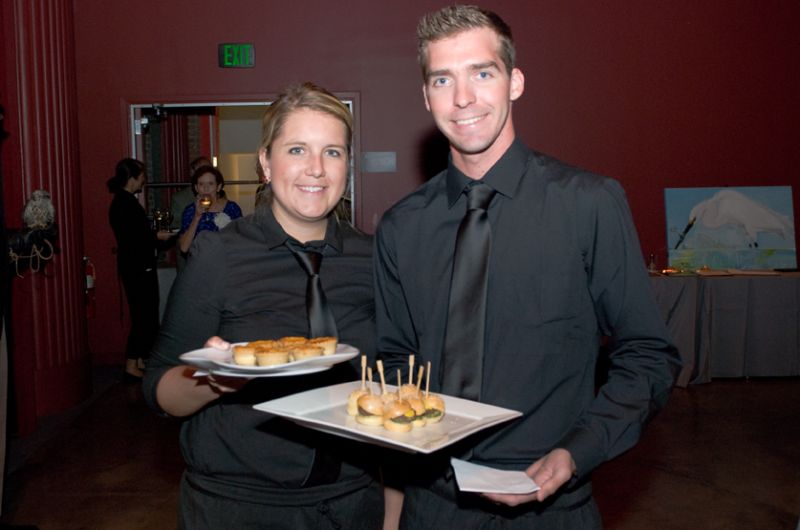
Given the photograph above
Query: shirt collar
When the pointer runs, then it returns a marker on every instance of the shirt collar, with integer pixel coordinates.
(276, 236)
(504, 176)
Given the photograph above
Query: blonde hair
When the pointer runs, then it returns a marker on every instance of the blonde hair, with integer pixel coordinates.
(304, 96)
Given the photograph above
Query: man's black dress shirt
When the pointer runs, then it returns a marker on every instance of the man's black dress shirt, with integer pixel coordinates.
(565, 269)
(244, 284)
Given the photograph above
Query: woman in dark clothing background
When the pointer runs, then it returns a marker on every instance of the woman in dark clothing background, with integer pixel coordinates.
(136, 260)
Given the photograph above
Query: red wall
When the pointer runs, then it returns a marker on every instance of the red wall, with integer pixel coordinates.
(656, 94)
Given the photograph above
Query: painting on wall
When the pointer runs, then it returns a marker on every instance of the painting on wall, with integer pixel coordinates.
(750, 227)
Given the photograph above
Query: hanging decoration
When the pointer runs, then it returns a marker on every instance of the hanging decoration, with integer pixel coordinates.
(31, 247)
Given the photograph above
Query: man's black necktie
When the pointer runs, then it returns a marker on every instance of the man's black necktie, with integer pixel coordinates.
(462, 357)
(320, 317)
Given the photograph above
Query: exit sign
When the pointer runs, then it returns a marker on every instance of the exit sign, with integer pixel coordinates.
(236, 55)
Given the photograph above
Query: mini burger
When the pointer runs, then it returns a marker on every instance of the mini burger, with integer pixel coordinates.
(434, 408)
(370, 410)
(352, 400)
(407, 391)
(419, 411)
(398, 416)
(388, 397)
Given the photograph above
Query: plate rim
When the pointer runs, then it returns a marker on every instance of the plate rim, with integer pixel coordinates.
(207, 363)
(277, 373)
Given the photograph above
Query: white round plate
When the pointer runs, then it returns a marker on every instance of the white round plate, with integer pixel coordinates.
(286, 373)
(221, 361)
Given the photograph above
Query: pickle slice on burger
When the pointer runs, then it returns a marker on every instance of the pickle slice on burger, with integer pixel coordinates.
(434, 408)
(398, 416)
(419, 411)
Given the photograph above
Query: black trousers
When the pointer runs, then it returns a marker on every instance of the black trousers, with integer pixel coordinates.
(442, 506)
(360, 509)
(141, 291)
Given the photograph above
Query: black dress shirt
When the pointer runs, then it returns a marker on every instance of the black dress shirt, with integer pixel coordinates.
(565, 269)
(244, 284)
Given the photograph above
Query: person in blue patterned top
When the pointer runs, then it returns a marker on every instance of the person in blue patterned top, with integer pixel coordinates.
(210, 211)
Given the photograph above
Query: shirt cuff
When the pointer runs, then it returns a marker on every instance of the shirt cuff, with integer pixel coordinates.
(583, 446)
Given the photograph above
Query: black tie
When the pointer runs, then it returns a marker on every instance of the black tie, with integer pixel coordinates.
(320, 318)
(326, 467)
(462, 357)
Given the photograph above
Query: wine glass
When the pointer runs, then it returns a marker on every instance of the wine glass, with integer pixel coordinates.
(158, 218)
(168, 217)
(205, 201)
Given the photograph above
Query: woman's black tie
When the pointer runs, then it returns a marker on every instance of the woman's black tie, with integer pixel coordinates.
(320, 317)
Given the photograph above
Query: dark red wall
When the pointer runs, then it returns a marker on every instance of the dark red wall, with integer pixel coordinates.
(656, 94)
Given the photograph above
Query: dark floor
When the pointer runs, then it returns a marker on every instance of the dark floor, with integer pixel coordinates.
(111, 464)
(724, 455)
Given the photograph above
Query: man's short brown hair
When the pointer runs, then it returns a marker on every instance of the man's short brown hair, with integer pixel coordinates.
(452, 20)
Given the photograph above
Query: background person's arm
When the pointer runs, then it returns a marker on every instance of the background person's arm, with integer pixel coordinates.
(187, 236)
(193, 313)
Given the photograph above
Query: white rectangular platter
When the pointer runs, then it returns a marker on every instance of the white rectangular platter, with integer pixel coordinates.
(325, 409)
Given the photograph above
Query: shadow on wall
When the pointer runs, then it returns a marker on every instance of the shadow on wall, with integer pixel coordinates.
(433, 154)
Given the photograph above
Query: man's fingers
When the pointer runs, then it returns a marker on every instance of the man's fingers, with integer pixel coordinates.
(509, 499)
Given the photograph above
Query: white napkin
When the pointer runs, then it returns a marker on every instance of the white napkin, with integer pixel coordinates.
(482, 479)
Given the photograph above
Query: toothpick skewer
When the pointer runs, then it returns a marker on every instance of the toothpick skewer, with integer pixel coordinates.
(411, 369)
(363, 372)
(383, 380)
(419, 378)
(428, 379)
(369, 374)
(399, 380)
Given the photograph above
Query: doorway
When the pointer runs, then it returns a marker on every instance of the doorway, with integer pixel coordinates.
(167, 136)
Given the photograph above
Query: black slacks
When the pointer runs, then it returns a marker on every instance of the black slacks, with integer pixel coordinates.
(440, 506)
(141, 291)
(361, 509)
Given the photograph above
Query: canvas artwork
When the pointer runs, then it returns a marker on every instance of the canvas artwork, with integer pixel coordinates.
(750, 227)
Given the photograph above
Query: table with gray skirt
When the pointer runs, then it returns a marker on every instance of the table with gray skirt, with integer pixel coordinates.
(732, 326)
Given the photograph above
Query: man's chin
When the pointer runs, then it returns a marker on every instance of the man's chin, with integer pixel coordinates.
(470, 148)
